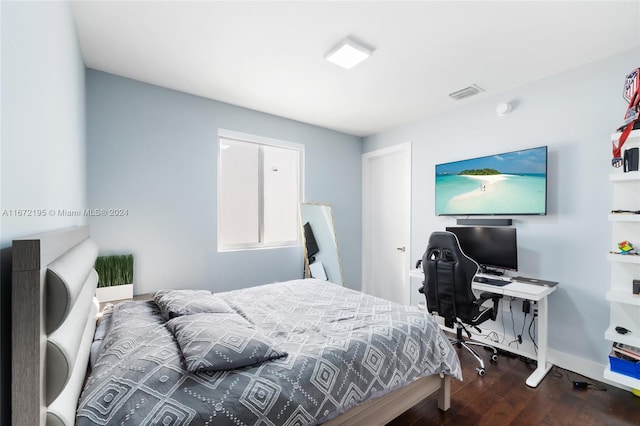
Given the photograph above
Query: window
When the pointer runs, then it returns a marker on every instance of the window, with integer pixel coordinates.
(259, 191)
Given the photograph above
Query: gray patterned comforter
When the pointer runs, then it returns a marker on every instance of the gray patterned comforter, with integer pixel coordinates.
(343, 347)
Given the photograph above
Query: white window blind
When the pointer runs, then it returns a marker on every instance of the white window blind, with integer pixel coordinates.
(259, 192)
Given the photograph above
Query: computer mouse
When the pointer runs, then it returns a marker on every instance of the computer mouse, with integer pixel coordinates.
(481, 280)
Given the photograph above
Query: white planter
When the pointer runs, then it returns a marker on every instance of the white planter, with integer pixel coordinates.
(117, 292)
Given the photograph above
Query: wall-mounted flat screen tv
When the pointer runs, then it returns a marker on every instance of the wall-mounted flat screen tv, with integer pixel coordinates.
(512, 183)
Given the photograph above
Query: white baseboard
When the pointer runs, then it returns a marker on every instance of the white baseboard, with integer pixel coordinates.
(590, 369)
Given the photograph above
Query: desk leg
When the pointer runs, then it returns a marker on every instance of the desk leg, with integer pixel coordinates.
(543, 366)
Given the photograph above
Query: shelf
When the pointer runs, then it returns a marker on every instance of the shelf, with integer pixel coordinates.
(624, 217)
(624, 177)
(623, 297)
(621, 378)
(634, 134)
(624, 258)
(628, 339)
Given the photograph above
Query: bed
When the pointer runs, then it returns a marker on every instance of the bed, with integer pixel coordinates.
(54, 324)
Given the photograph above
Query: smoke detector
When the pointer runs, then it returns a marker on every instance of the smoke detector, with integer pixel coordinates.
(503, 109)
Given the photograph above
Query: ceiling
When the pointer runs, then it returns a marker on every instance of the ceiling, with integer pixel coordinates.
(269, 56)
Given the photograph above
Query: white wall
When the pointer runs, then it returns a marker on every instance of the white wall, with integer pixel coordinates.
(43, 137)
(573, 113)
(153, 151)
(43, 117)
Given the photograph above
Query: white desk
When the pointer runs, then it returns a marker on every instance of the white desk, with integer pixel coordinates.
(526, 291)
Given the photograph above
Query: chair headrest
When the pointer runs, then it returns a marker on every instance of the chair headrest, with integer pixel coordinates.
(444, 239)
(448, 241)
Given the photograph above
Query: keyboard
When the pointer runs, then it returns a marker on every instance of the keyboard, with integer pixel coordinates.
(491, 281)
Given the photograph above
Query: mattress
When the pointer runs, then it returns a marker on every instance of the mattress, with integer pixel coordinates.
(341, 347)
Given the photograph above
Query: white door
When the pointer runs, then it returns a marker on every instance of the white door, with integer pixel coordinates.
(386, 216)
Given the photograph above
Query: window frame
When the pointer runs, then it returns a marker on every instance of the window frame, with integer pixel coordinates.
(261, 141)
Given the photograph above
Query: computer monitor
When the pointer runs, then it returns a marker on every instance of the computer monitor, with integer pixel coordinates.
(489, 247)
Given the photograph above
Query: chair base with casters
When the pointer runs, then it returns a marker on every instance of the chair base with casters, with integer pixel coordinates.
(484, 314)
(460, 342)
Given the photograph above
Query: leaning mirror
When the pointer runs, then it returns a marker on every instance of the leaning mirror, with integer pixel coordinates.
(321, 256)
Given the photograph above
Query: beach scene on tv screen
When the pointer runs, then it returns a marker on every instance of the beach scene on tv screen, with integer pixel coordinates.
(510, 183)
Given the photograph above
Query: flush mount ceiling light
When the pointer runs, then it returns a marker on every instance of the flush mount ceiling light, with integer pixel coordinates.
(348, 53)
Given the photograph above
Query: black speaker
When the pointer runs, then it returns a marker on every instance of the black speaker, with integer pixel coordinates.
(484, 222)
(631, 159)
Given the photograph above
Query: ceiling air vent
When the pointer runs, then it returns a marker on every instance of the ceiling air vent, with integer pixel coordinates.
(474, 89)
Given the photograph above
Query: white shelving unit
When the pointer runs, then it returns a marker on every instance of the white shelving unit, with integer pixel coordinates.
(625, 306)
(623, 258)
(624, 217)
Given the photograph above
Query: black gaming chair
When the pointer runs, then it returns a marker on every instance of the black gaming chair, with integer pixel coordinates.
(448, 274)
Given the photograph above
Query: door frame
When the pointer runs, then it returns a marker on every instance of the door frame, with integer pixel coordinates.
(366, 199)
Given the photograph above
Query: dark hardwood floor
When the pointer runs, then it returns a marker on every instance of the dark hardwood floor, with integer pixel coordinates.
(501, 397)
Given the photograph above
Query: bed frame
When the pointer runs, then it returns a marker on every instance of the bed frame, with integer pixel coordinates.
(54, 313)
(54, 318)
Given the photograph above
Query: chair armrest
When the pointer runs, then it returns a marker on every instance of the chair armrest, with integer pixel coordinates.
(484, 296)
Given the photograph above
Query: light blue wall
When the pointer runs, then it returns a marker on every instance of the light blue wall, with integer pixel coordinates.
(153, 151)
(574, 113)
(43, 137)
